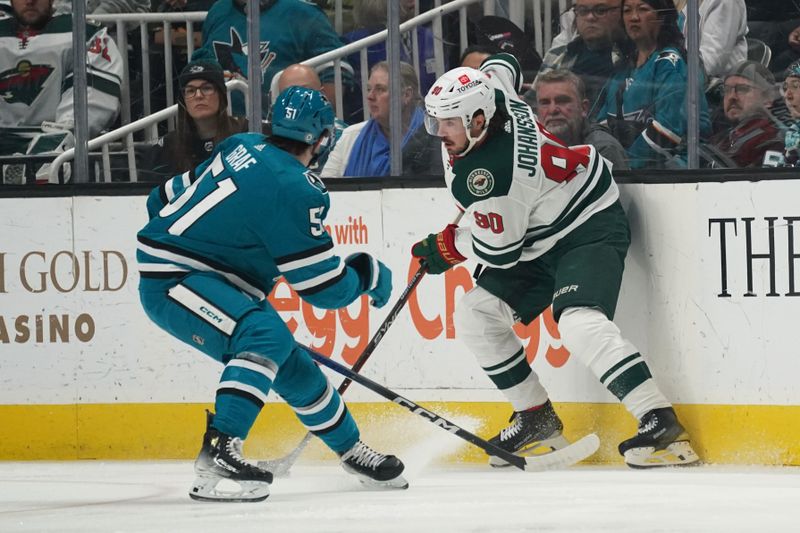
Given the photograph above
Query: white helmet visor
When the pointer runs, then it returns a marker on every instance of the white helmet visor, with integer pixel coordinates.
(445, 126)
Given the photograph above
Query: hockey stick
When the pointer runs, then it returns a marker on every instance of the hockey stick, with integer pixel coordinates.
(569, 455)
(280, 467)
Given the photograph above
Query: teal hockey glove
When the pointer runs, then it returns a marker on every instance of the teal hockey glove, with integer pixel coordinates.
(376, 278)
(438, 250)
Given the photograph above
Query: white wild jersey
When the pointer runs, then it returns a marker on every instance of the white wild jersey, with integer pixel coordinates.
(522, 189)
(36, 75)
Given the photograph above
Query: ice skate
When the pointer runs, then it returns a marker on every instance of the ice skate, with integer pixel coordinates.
(532, 432)
(374, 469)
(660, 441)
(223, 475)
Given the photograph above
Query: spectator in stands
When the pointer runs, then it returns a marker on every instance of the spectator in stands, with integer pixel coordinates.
(36, 89)
(749, 90)
(645, 102)
(473, 55)
(291, 31)
(363, 149)
(370, 18)
(103, 7)
(791, 95)
(562, 108)
(723, 26)
(203, 122)
(303, 76)
(296, 74)
(589, 47)
(179, 35)
(777, 23)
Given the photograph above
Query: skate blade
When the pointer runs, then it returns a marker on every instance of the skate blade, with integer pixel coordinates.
(218, 489)
(540, 447)
(397, 483)
(679, 453)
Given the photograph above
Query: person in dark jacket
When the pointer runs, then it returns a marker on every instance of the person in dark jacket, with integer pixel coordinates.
(203, 121)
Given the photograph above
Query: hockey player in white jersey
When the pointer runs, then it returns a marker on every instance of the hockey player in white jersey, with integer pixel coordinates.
(36, 79)
(545, 222)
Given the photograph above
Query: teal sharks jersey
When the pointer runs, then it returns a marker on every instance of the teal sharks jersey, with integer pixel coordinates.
(291, 31)
(652, 98)
(251, 213)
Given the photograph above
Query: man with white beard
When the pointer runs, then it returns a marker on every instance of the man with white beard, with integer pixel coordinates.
(562, 108)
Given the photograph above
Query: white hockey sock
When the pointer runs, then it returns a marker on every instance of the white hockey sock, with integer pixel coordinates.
(645, 398)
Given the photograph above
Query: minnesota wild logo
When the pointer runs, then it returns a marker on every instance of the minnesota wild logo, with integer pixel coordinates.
(24, 82)
(480, 182)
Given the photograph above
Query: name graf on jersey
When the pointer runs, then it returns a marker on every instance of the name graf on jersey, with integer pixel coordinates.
(527, 137)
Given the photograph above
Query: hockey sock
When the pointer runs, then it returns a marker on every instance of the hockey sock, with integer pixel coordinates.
(242, 392)
(316, 403)
(644, 399)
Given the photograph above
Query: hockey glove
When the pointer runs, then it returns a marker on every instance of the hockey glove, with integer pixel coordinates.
(438, 250)
(376, 278)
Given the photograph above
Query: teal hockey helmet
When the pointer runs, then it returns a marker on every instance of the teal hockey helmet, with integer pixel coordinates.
(302, 114)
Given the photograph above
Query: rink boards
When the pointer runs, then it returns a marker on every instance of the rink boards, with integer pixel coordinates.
(709, 297)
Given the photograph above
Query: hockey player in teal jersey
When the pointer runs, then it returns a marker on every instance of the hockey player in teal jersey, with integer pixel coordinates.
(545, 221)
(217, 239)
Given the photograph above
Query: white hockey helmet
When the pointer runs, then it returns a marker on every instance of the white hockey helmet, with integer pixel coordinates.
(460, 92)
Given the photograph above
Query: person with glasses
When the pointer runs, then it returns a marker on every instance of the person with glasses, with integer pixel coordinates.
(749, 93)
(589, 47)
(644, 103)
(203, 121)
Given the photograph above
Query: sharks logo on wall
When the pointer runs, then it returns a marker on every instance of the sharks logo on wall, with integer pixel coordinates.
(233, 55)
(24, 82)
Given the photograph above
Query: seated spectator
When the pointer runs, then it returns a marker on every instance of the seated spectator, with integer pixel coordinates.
(291, 31)
(645, 102)
(303, 76)
(103, 7)
(473, 55)
(297, 74)
(562, 108)
(179, 35)
(36, 93)
(749, 90)
(723, 26)
(589, 47)
(791, 96)
(363, 149)
(203, 122)
(370, 18)
(777, 23)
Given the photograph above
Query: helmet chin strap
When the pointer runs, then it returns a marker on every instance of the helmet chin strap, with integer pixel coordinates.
(472, 141)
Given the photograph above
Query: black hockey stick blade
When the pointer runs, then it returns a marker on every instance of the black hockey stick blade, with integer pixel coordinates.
(569, 455)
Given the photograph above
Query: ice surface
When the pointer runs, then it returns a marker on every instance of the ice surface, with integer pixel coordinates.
(94, 496)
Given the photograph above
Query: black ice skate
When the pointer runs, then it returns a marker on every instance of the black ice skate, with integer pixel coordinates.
(374, 469)
(660, 441)
(222, 473)
(532, 432)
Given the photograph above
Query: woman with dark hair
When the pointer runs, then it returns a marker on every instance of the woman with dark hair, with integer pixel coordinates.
(203, 121)
(645, 101)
